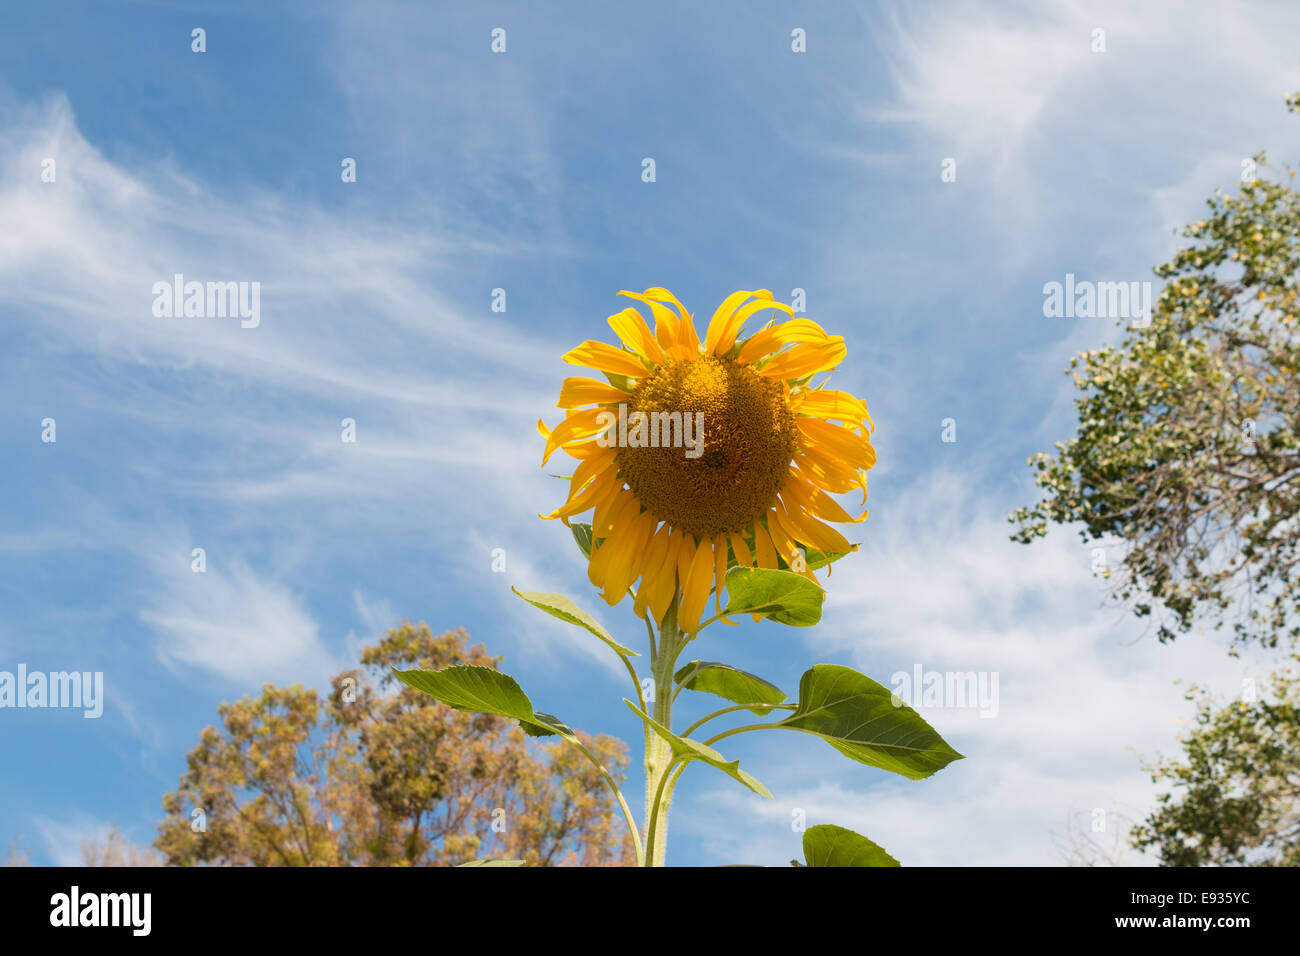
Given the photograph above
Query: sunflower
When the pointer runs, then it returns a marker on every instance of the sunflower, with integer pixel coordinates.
(758, 487)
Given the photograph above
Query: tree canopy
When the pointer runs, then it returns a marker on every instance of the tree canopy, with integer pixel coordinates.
(1188, 444)
(377, 774)
(1235, 791)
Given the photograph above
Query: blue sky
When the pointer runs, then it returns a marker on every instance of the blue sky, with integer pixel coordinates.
(522, 171)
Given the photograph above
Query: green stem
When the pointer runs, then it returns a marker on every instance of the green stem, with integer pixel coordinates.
(717, 617)
(737, 730)
(635, 680)
(618, 795)
(658, 754)
(651, 834)
(668, 783)
(704, 624)
(727, 710)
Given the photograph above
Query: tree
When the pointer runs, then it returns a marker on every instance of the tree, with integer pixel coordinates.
(1235, 796)
(1188, 445)
(116, 850)
(379, 775)
(1188, 452)
(16, 855)
(1094, 839)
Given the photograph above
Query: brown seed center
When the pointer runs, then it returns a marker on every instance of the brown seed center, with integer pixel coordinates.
(748, 443)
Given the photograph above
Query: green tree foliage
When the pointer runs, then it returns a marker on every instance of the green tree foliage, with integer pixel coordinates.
(1235, 792)
(1188, 445)
(380, 775)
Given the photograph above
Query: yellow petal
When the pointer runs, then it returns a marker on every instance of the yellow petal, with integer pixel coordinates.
(781, 541)
(576, 392)
(719, 570)
(812, 532)
(834, 483)
(654, 562)
(626, 508)
(831, 405)
(804, 360)
(731, 328)
(589, 467)
(764, 548)
(843, 444)
(827, 473)
(743, 556)
(766, 554)
(576, 426)
(588, 497)
(631, 329)
(815, 501)
(784, 538)
(685, 552)
(667, 325)
(718, 324)
(607, 509)
(686, 336)
(664, 586)
(695, 589)
(606, 358)
(729, 317)
(625, 563)
(767, 341)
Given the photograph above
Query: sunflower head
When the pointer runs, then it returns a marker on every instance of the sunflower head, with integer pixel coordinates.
(697, 456)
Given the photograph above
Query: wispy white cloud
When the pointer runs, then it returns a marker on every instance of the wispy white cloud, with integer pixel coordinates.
(353, 325)
(347, 304)
(1041, 125)
(234, 622)
(63, 838)
(978, 79)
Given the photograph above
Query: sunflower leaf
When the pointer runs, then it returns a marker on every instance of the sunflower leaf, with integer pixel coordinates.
(829, 845)
(820, 559)
(582, 535)
(557, 605)
(482, 690)
(689, 750)
(730, 683)
(784, 596)
(866, 722)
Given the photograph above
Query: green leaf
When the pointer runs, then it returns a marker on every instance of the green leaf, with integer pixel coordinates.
(784, 596)
(829, 845)
(493, 863)
(557, 605)
(582, 535)
(694, 750)
(820, 559)
(482, 690)
(730, 683)
(858, 717)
